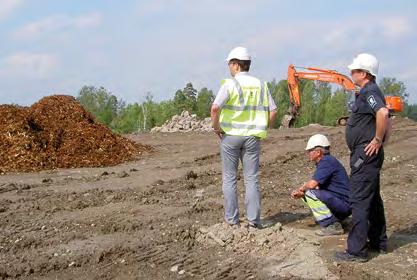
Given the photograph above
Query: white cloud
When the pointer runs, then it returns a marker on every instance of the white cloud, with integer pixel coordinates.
(204, 7)
(395, 27)
(151, 7)
(332, 41)
(28, 65)
(57, 23)
(7, 7)
(321, 38)
(375, 30)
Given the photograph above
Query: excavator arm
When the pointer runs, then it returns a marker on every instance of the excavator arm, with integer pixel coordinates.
(394, 103)
(316, 74)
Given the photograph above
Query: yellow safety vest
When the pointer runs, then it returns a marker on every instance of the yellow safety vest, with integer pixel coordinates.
(246, 113)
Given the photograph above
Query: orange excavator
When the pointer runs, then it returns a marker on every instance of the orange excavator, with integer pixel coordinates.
(394, 103)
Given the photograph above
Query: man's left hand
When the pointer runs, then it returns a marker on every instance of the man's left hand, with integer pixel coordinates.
(373, 147)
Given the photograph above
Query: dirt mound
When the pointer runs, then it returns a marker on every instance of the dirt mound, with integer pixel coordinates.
(402, 122)
(57, 132)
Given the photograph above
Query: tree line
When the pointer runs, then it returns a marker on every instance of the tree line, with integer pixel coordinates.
(320, 103)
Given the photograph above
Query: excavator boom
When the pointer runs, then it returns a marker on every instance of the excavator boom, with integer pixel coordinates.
(316, 74)
(394, 103)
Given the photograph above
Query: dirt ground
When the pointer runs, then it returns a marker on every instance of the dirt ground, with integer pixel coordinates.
(161, 217)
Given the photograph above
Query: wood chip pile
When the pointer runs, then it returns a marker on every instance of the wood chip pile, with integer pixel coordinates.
(57, 132)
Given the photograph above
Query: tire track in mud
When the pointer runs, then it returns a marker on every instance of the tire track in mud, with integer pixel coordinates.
(47, 233)
(196, 263)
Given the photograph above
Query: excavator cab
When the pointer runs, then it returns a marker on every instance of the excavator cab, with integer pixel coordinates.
(394, 103)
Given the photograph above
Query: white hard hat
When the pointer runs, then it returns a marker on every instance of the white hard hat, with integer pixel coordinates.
(317, 140)
(367, 62)
(239, 53)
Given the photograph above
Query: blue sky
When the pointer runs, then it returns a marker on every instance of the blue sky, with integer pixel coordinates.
(134, 47)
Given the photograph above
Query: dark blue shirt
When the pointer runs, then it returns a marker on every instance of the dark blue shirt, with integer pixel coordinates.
(332, 176)
(361, 125)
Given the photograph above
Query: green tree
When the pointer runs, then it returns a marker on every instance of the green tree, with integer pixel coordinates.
(163, 111)
(390, 86)
(186, 99)
(411, 111)
(100, 102)
(180, 101)
(128, 119)
(147, 120)
(205, 98)
(322, 96)
(190, 92)
(307, 109)
(335, 108)
(279, 92)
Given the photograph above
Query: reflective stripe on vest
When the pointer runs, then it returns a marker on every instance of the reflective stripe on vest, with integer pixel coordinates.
(247, 110)
(244, 126)
(319, 209)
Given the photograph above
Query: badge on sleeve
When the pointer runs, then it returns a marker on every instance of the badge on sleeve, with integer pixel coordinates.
(372, 101)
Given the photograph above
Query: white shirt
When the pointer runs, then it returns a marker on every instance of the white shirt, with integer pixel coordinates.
(223, 95)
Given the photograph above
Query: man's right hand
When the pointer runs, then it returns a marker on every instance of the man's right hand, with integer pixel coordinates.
(219, 133)
(297, 194)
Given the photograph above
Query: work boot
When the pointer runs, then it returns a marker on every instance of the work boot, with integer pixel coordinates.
(333, 229)
(347, 223)
(252, 225)
(346, 257)
(377, 250)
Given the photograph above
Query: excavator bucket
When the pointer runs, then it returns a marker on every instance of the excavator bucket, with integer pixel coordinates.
(342, 121)
(287, 120)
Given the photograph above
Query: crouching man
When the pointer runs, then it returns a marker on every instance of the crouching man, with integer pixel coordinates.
(327, 193)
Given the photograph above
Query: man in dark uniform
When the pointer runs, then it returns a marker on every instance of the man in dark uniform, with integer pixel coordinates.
(367, 130)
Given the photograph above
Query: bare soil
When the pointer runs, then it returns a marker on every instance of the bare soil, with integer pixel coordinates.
(160, 217)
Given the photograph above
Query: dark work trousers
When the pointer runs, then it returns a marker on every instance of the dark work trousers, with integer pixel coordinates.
(339, 208)
(368, 218)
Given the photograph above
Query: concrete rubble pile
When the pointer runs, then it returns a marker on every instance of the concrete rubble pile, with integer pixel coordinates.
(185, 122)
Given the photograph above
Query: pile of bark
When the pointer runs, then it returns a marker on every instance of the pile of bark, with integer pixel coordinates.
(185, 122)
(57, 132)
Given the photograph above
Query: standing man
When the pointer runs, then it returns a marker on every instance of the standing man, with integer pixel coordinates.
(366, 131)
(240, 115)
